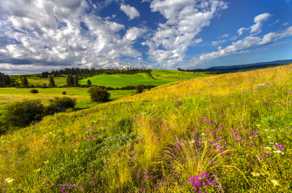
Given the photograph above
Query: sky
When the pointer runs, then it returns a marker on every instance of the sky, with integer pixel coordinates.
(41, 35)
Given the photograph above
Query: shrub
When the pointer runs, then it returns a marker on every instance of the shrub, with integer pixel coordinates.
(23, 113)
(24, 82)
(140, 88)
(89, 83)
(52, 82)
(98, 94)
(60, 105)
(34, 91)
(3, 127)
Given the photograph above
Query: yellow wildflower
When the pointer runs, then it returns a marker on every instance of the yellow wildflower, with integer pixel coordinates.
(275, 182)
(9, 180)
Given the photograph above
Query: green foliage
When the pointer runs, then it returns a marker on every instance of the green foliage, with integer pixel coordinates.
(3, 127)
(89, 83)
(60, 105)
(75, 80)
(24, 82)
(99, 94)
(23, 113)
(5, 80)
(51, 82)
(140, 88)
(70, 80)
(34, 91)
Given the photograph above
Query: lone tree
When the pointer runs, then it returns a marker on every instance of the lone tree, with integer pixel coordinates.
(75, 80)
(140, 88)
(51, 81)
(70, 80)
(99, 94)
(89, 83)
(24, 82)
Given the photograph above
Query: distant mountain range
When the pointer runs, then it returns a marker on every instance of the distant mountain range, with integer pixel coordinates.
(244, 67)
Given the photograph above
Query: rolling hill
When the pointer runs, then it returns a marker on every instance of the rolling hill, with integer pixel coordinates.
(234, 130)
(244, 67)
(155, 78)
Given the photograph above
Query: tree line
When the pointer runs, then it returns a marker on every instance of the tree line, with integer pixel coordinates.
(83, 72)
(71, 81)
(73, 76)
(5, 80)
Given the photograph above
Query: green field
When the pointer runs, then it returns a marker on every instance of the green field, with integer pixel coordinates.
(10, 95)
(234, 127)
(34, 80)
(157, 77)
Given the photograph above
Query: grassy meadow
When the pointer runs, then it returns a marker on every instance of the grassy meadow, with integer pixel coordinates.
(59, 80)
(12, 95)
(157, 77)
(219, 133)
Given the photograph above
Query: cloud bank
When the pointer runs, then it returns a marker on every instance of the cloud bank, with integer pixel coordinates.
(61, 32)
(250, 41)
(37, 35)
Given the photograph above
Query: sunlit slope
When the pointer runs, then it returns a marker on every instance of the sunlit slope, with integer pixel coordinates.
(226, 125)
(224, 84)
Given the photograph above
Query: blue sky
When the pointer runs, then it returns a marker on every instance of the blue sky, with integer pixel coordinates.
(40, 35)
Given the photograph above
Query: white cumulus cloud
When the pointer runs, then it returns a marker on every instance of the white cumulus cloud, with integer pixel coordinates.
(49, 32)
(250, 41)
(130, 11)
(185, 19)
(258, 22)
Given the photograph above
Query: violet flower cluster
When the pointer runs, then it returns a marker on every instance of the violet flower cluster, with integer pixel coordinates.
(201, 182)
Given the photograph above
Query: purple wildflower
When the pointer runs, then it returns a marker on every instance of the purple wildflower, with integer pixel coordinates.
(219, 148)
(64, 188)
(279, 146)
(236, 135)
(201, 181)
(207, 121)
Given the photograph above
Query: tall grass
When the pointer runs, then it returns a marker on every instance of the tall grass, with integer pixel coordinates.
(235, 127)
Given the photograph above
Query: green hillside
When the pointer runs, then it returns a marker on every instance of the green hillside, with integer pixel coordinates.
(157, 77)
(232, 130)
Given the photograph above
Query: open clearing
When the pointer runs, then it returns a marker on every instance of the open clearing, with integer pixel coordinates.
(10, 95)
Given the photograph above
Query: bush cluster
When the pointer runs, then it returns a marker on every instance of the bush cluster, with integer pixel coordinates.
(21, 114)
(99, 94)
(140, 88)
(34, 91)
(60, 105)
